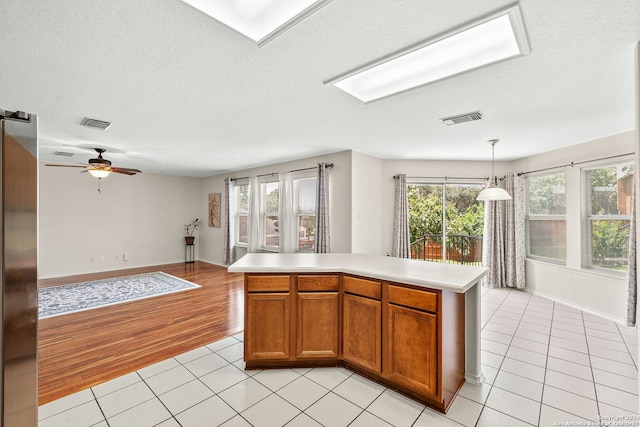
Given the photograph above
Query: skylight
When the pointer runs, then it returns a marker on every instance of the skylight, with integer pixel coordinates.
(260, 20)
(494, 38)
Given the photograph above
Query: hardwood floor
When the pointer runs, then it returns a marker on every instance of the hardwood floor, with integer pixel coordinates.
(80, 350)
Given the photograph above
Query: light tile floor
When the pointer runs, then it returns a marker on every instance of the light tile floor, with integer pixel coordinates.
(545, 364)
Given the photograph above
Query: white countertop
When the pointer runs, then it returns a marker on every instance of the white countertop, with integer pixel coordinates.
(451, 277)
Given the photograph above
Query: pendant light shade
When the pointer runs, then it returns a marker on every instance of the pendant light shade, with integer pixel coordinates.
(493, 192)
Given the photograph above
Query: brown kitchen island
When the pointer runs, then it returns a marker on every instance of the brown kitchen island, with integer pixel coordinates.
(411, 325)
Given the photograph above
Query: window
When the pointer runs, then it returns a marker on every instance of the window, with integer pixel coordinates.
(242, 213)
(269, 222)
(305, 194)
(608, 216)
(269, 231)
(546, 222)
(446, 222)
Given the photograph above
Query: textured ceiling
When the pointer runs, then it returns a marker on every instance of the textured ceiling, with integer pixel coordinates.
(189, 96)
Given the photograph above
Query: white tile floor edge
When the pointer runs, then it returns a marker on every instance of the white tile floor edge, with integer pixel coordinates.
(546, 364)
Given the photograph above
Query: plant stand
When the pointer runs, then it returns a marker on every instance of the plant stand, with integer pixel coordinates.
(189, 253)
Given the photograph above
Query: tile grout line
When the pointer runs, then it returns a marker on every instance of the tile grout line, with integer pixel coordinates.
(627, 345)
(595, 389)
(95, 398)
(158, 398)
(546, 362)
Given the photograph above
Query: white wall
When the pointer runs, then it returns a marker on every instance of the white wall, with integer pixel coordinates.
(211, 239)
(366, 200)
(141, 215)
(584, 288)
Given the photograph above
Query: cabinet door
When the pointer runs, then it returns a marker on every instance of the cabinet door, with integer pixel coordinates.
(361, 333)
(412, 356)
(317, 325)
(267, 326)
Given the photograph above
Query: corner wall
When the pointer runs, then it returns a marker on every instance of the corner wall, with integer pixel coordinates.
(82, 231)
(366, 200)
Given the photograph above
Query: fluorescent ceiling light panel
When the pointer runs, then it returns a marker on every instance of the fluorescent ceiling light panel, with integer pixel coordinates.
(493, 38)
(260, 20)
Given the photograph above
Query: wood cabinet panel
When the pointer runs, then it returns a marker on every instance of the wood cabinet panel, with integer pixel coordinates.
(362, 332)
(420, 299)
(412, 350)
(406, 337)
(317, 325)
(362, 287)
(318, 283)
(267, 326)
(257, 283)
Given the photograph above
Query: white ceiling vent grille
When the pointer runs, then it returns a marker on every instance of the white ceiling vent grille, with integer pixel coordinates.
(95, 124)
(462, 118)
(63, 153)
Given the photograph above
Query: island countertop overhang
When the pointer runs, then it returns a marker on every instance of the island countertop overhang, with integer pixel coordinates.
(450, 277)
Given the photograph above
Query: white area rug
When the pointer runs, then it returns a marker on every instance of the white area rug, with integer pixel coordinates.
(65, 299)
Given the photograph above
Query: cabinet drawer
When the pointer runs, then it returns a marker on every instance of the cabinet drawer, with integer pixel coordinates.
(414, 298)
(268, 283)
(362, 287)
(318, 283)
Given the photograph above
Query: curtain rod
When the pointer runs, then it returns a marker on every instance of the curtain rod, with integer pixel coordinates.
(572, 164)
(329, 165)
(446, 178)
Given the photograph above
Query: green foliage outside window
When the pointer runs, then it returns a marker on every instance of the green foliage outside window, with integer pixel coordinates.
(464, 219)
(609, 198)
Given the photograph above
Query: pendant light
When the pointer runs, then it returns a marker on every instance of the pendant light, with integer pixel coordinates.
(493, 192)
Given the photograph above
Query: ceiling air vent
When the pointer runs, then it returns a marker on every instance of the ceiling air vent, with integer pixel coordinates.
(462, 118)
(95, 124)
(63, 153)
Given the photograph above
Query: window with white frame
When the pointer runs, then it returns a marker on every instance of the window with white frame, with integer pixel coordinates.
(269, 228)
(242, 214)
(608, 216)
(546, 217)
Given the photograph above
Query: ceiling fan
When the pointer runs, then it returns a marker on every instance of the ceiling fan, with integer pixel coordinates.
(100, 167)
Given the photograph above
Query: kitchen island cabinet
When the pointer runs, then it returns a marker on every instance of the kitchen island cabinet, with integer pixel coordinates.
(412, 326)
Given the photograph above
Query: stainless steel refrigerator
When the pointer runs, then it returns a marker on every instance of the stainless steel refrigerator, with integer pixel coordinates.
(18, 263)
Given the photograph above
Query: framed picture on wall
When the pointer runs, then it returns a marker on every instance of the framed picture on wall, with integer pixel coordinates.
(214, 210)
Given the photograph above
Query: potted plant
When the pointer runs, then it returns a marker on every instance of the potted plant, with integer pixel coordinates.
(190, 229)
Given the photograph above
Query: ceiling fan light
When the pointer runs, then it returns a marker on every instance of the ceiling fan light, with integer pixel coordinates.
(100, 173)
(493, 193)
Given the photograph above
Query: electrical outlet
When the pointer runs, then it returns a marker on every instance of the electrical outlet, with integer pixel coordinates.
(117, 257)
(125, 256)
(101, 258)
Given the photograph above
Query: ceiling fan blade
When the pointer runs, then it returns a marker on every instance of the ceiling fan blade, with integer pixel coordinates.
(65, 166)
(126, 171)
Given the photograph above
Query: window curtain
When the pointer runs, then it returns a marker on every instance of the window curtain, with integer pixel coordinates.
(503, 249)
(323, 243)
(254, 216)
(401, 242)
(632, 295)
(287, 228)
(229, 220)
